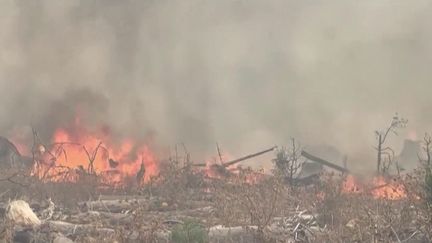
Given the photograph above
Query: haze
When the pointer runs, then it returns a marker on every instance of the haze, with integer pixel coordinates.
(246, 74)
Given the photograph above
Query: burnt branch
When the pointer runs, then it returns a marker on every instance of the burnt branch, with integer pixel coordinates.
(10, 179)
(92, 158)
(382, 136)
(219, 153)
(289, 161)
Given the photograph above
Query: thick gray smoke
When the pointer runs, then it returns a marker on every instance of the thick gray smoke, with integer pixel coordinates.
(247, 74)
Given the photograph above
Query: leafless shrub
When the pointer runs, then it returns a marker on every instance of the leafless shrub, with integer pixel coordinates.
(6, 231)
(245, 204)
(385, 154)
(358, 217)
(330, 199)
(176, 181)
(288, 161)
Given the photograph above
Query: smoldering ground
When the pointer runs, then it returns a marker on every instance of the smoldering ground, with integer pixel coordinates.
(246, 74)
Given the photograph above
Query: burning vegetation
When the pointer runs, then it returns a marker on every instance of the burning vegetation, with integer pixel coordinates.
(76, 151)
(86, 186)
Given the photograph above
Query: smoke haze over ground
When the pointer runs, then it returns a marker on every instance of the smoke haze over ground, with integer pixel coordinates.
(247, 74)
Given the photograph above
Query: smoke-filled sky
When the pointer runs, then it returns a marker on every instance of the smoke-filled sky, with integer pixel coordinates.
(247, 74)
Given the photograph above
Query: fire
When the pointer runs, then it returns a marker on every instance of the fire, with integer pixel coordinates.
(254, 177)
(389, 190)
(217, 170)
(76, 149)
(351, 185)
(214, 167)
(379, 188)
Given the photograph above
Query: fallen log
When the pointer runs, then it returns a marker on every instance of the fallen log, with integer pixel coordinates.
(121, 197)
(324, 162)
(221, 233)
(229, 163)
(114, 206)
(199, 165)
(94, 216)
(75, 229)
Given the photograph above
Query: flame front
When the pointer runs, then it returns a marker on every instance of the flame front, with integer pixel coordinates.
(388, 189)
(76, 149)
(380, 187)
(351, 185)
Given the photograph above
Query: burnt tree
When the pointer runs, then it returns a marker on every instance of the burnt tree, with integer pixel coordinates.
(289, 160)
(385, 154)
(427, 148)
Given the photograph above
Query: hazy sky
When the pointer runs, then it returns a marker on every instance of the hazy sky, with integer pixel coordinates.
(245, 73)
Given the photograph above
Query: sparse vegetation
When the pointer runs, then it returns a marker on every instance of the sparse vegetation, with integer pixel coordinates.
(189, 232)
(183, 203)
(259, 209)
(288, 161)
(427, 167)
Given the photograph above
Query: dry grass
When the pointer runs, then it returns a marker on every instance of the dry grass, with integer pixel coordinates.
(236, 202)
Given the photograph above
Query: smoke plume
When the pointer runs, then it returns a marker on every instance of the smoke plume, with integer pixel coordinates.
(245, 74)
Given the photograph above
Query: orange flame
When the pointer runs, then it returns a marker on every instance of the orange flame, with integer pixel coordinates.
(351, 185)
(389, 190)
(380, 188)
(216, 170)
(76, 148)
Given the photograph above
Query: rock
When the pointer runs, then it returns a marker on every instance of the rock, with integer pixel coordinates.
(351, 224)
(133, 236)
(221, 233)
(10, 157)
(20, 213)
(62, 239)
(23, 236)
(172, 222)
(89, 239)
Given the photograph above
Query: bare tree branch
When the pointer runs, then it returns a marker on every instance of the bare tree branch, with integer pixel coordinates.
(382, 136)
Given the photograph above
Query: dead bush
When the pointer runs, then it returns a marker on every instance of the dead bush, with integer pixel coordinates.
(245, 204)
(176, 182)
